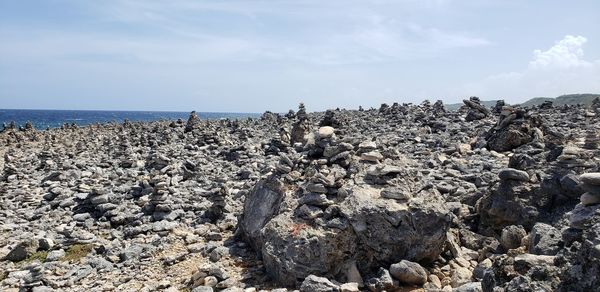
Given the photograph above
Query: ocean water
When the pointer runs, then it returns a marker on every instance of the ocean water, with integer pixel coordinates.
(42, 119)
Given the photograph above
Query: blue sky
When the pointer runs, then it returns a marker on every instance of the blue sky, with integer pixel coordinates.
(252, 56)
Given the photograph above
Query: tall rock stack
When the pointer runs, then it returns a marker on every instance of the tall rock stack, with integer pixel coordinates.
(588, 211)
(591, 141)
(591, 184)
(46, 159)
(499, 105)
(29, 126)
(160, 204)
(99, 201)
(9, 169)
(571, 157)
(301, 127)
(513, 129)
(217, 209)
(596, 105)
(476, 110)
(35, 276)
(331, 119)
(438, 107)
(583, 239)
(511, 202)
(192, 122)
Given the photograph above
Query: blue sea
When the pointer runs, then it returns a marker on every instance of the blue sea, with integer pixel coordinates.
(42, 119)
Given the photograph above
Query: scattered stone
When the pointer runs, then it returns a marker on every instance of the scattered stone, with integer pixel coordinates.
(512, 236)
(313, 283)
(409, 272)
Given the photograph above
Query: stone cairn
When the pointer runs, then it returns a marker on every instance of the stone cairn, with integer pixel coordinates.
(217, 209)
(159, 204)
(291, 114)
(46, 159)
(97, 201)
(9, 168)
(192, 122)
(331, 119)
(572, 157)
(591, 184)
(591, 141)
(476, 110)
(301, 127)
(582, 217)
(498, 107)
(36, 276)
(595, 106)
(438, 107)
(547, 105)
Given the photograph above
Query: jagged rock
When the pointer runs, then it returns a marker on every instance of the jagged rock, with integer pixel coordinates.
(382, 281)
(378, 232)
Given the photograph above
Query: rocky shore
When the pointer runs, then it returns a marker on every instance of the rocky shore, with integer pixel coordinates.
(401, 198)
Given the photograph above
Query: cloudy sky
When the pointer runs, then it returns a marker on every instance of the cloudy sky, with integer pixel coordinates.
(252, 56)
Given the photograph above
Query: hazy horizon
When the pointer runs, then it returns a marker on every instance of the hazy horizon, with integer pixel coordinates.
(253, 56)
(365, 106)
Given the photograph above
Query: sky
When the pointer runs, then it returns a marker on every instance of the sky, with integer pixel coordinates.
(253, 56)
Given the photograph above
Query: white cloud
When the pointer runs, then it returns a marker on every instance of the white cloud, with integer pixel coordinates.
(559, 70)
(566, 53)
(183, 31)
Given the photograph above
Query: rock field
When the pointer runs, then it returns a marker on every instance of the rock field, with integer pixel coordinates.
(401, 198)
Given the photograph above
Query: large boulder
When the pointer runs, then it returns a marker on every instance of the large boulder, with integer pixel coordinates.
(389, 231)
(362, 230)
(261, 205)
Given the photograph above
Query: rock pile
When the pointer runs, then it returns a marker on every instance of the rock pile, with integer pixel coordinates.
(591, 186)
(513, 129)
(192, 122)
(476, 110)
(401, 197)
(159, 204)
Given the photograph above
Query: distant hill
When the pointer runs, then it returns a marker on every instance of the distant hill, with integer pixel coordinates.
(584, 98)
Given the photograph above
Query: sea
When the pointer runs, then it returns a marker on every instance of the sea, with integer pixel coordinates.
(43, 119)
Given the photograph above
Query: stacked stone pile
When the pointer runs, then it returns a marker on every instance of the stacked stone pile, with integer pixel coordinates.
(591, 186)
(476, 111)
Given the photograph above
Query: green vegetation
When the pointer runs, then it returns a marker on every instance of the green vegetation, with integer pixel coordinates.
(77, 252)
(40, 255)
(3, 275)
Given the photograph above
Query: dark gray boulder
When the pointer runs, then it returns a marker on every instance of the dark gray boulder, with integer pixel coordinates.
(544, 240)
